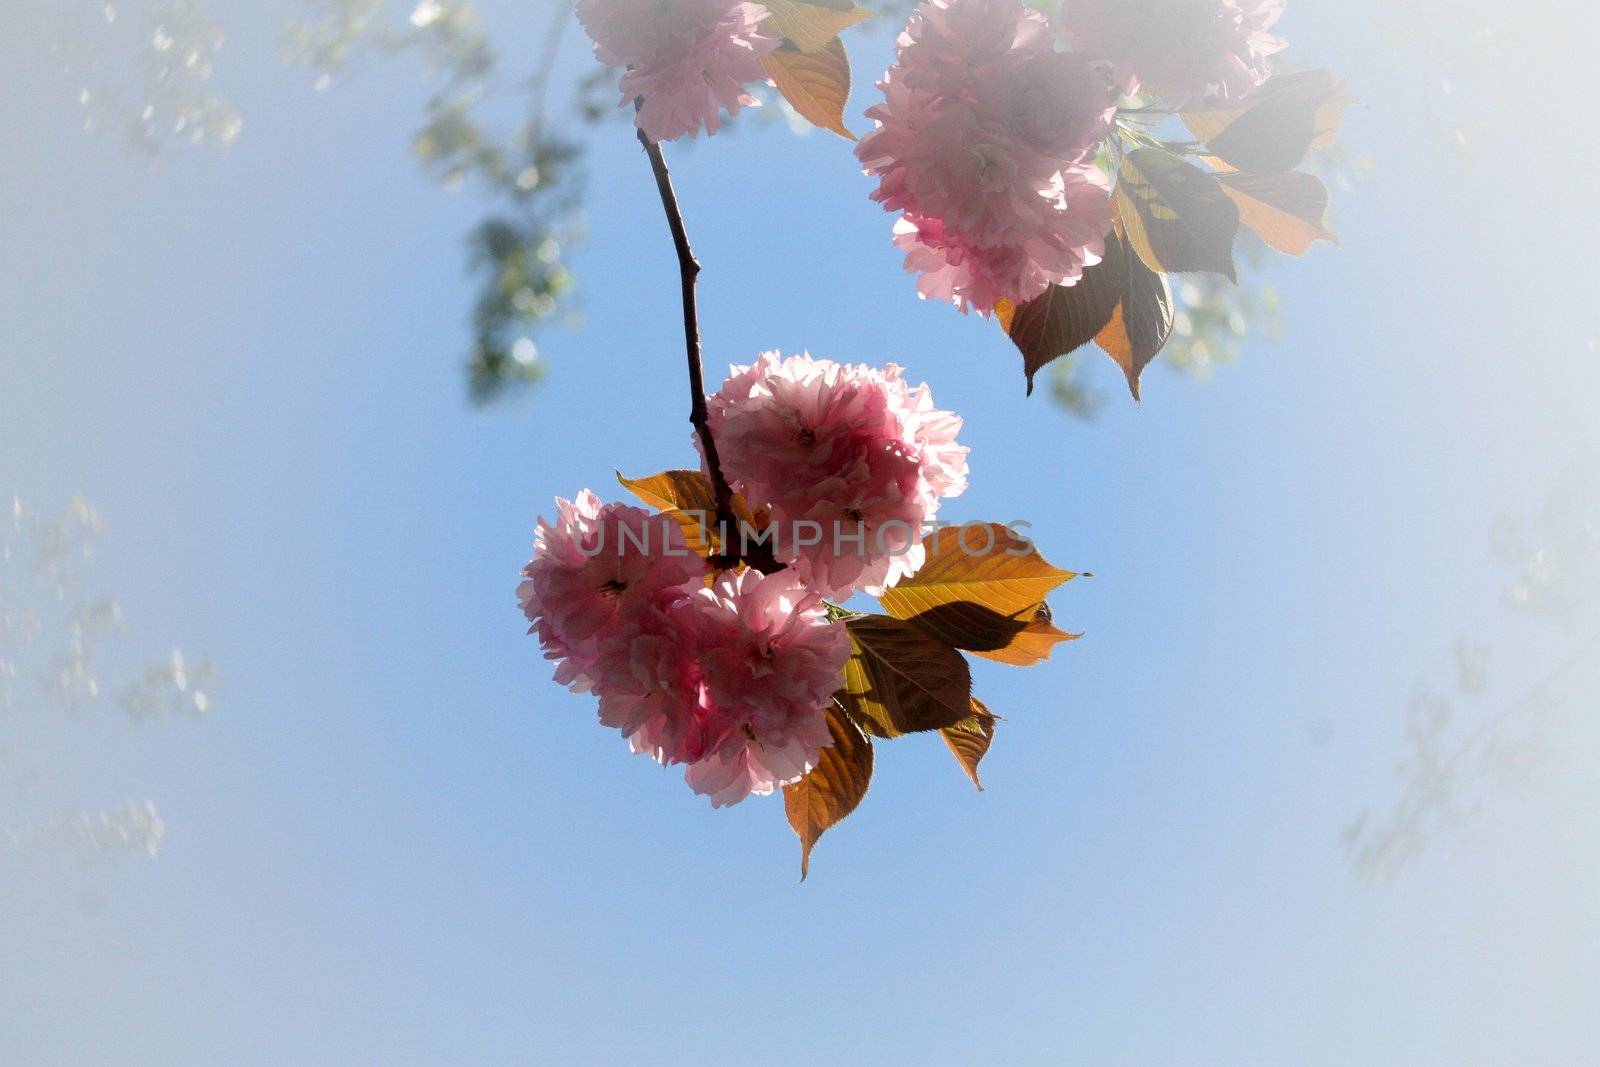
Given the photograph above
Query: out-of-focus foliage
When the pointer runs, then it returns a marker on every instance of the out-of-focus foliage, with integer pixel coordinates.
(531, 175)
(532, 172)
(142, 70)
(1472, 57)
(1554, 555)
(56, 637)
(1459, 745)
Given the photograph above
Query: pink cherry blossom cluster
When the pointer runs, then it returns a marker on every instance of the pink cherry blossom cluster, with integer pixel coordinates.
(987, 134)
(1182, 49)
(729, 679)
(853, 454)
(985, 142)
(686, 61)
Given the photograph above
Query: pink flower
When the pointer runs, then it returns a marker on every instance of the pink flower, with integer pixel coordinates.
(851, 461)
(958, 270)
(772, 661)
(648, 681)
(1000, 57)
(984, 141)
(1181, 48)
(687, 60)
(592, 571)
(729, 680)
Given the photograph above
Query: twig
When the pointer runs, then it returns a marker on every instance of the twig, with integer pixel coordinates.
(730, 532)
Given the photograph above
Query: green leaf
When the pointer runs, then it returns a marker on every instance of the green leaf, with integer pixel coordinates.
(1175, 215)
(833, 788)
(901, 679)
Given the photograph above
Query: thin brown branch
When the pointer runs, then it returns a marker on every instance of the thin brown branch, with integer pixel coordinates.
(730, 533)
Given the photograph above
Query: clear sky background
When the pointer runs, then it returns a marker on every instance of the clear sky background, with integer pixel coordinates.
(396, 841)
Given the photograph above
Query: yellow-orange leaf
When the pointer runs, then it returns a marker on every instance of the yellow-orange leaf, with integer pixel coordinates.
(672, 490)
(1033, 644)
(1287, 211)
(685, 496)
(974, 577)
(1114, 340)
(970, 738)
(816, 84)
(1005, 313)
(811, 24)
(1329, 120)
(833, 788)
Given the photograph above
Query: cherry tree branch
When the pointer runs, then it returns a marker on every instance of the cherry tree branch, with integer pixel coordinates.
(759, 555)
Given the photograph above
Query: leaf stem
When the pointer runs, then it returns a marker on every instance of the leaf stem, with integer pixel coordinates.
(760, 555)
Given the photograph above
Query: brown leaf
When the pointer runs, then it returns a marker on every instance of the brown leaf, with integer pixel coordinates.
(970, 738)
(1273, 129)
(816, 84)
(978, 563)
(1065, 317)
(1033, 644)
(1287, 211)
(833, 788)
(1176, 215)
(972, 627)
(1141, 324)
(811, 24)
(901, 679)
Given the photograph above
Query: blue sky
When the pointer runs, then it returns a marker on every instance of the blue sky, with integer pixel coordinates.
(398, 842)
